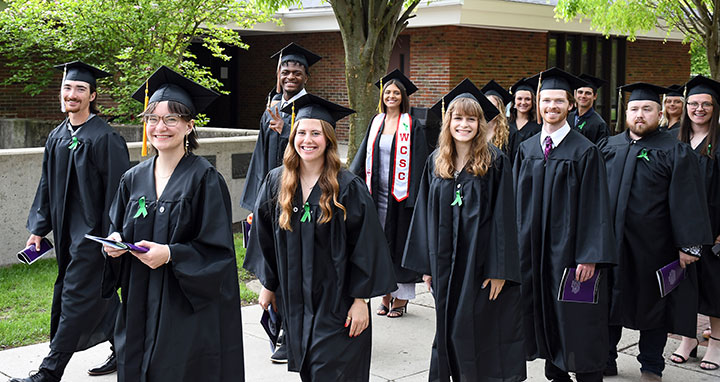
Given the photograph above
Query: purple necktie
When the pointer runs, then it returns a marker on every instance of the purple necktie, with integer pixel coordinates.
(548, 146)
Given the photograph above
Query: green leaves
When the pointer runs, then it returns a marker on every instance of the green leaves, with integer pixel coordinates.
(129, 38)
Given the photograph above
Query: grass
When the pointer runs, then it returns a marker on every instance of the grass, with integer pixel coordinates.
(26, 299)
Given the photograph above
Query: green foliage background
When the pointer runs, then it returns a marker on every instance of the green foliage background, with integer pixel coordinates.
(128, 38)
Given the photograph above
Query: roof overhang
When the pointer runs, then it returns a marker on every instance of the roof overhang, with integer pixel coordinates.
(525, 15)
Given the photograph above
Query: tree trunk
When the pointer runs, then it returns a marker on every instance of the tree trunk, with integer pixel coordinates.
(369, 29)
(712, 48)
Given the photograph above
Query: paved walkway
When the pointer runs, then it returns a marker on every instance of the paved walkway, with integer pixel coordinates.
(401, 352)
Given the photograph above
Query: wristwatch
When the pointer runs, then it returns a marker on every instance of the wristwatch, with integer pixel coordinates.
(367, 300)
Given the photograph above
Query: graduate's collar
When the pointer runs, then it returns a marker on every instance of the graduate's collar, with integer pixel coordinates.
(301, 93)
(75, 129)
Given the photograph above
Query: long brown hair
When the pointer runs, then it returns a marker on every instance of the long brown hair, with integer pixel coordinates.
(405, 100)
(328, 178)
(502, 128)
(532, 112)
(708, 148)
(479, 158)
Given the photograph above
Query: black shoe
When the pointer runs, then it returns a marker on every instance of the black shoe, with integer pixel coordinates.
(40, 376)
(110, 366)
(280, 354)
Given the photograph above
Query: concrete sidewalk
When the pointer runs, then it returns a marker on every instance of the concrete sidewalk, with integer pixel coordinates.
(401, 352)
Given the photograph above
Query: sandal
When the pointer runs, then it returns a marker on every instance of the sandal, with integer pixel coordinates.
(399, 311)
(382, 310)
(706, 333)
(693, 354)
(713, 365)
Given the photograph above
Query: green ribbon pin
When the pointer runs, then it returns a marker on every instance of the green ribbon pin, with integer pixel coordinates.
(580, 126)
(644, 155)
(142, 210)
(306, 215)
(458, 199)
(709, 149)
(73, 144)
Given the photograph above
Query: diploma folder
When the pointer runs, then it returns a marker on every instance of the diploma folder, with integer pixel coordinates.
(572, 290)
(272, 324)
(116, 244)
(669, 277)
(29, 255)
(246, 233)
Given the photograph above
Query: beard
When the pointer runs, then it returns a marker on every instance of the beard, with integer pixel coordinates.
(642, 129)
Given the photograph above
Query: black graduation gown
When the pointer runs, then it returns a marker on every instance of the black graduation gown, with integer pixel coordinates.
(397, 220)
(72, 199)
(268, 154)
(708, 266)
(181, 321)
(658, 207)
(320, 269)
(461, 246)
(590, 124)
(563, 220)
(674, 128)
(516, 137)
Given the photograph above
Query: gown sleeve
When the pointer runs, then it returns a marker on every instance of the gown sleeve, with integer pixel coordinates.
(201, 263)
(596, 245)
(113, 266)
(504, 260)
(260, 256)
(370, 264)
(39, 220)
(418, 157)
(257, 169)
(416, 256)
(112, 159)
(686, 196)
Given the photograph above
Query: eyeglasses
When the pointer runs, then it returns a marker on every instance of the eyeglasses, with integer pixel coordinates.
(694, 105)
(170, 120)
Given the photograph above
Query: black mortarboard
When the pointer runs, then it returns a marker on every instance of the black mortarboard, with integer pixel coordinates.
(168, 85)
(295, 52)
(529, 84)
(310, 106)
(703, 85)
(558, 79)
(675, 91)
(494, 88)
(396, 74)
(80, 71)
(641, 91)
(466, 89)
(592, 81)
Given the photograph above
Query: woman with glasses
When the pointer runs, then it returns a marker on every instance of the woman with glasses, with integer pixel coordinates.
(180, 314)
(699, 128)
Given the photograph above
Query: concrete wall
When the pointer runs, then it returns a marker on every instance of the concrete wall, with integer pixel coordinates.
(20, 173)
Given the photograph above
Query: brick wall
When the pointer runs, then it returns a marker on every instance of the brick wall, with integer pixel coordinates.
(657, 62)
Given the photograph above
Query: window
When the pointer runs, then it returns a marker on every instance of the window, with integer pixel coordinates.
(595, 55)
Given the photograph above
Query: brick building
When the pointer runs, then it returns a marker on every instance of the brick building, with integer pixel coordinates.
(447, 41)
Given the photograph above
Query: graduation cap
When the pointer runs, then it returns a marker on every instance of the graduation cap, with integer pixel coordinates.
(641, 91)
(592, 81)
(310, 106)
(396, 74)
(80, 71)
(494, 88)
(558, 79)
(168, 85)
(675, 91)
(466, 89)
(529, 84)
(295, 52)
(703, 85)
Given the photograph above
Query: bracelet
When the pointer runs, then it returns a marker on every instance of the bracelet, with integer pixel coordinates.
(169, 256)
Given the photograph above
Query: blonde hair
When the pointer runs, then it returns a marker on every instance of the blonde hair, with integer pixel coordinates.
(479, 158)
(328, 178)
(502, 128)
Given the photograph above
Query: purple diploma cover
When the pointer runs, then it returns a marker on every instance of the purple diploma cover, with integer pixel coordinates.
(272, 324)
(116, 244)
(29, 255)
(572, 290)
(669, 277)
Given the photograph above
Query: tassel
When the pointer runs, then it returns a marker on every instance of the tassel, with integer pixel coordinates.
(278, 85)
(144, 139)
(537, 101)
(292, 118)
(442, 109)
(62, 101)
(381, 97)
(618, 117)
